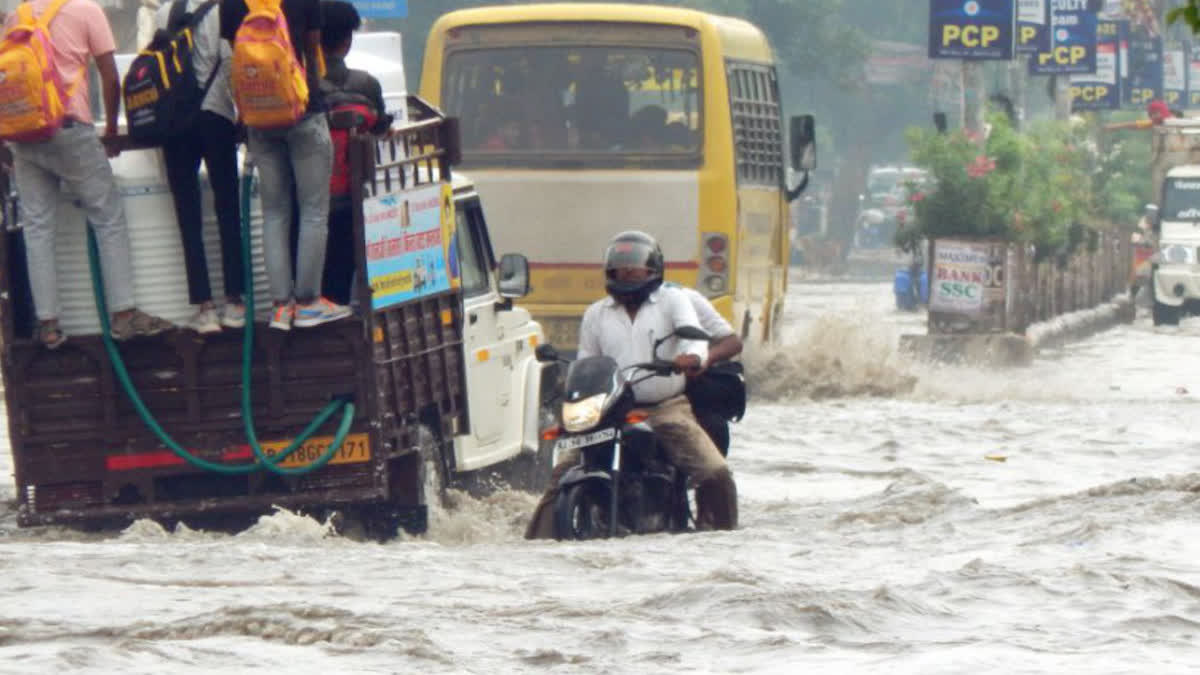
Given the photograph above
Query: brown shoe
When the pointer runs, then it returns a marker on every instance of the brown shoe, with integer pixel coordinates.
(50, 335)
(137, 323)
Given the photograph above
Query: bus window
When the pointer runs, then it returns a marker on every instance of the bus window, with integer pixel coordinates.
(575, 101)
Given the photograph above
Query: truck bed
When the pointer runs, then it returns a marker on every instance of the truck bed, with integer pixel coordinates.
(82, 453)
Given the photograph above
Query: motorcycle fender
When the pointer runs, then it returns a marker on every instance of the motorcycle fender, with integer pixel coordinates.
(578, 474)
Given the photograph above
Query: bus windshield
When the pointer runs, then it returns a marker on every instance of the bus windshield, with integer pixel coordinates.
(581, 103)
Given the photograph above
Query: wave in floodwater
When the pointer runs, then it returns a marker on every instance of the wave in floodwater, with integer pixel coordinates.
(835, 356)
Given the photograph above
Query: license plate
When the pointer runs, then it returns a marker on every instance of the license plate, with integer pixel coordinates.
(574, 442)
(355, 449)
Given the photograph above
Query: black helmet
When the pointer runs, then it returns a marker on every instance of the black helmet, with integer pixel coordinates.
(633, 249)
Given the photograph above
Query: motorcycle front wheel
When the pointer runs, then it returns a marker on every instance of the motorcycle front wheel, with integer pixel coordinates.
(582, 512)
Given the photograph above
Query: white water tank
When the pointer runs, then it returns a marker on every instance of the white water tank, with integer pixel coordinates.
(159, 276)
(381, 54)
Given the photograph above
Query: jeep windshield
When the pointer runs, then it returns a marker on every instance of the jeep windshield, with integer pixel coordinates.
(1181, 199)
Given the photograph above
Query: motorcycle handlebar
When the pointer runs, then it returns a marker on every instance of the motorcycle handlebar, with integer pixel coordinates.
(657, 367)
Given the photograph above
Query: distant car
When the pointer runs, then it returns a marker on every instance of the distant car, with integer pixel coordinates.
(884, 206)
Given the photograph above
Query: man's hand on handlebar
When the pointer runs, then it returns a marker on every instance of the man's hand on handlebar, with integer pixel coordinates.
(689, 364)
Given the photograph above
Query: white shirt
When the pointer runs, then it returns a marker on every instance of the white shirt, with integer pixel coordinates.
(607, 330)
(209, 44)
(710, 319)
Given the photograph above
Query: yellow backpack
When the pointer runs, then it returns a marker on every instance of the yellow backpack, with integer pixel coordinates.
(33, 99)
(269, 84)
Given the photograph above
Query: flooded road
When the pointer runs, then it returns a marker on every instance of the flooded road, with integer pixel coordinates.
(895, 518)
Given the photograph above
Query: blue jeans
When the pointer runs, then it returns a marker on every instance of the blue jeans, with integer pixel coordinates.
(75, 157)
(300, 156)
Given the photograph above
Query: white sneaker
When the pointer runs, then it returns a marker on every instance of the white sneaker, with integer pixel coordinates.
(233, 315)
(204, 322)
(319, 312)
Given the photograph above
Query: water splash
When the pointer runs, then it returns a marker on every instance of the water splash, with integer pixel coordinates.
(834, 356)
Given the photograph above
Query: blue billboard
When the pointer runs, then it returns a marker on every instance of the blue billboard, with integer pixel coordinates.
(1145, 82)
(1033, 26)
(381, 9)
(1072, 40)
(1175, 74)
(972, 30)
(1101, 90)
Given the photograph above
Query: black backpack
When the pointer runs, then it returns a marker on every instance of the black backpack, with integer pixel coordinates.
(161, 93)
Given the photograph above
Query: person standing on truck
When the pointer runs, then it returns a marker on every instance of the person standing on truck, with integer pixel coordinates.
(213, 139)
(294, 163)
(639, 308)
(359, 93)
(76, 157)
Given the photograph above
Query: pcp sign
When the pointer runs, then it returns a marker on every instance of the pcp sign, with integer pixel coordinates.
(971, 29)
(1145, 68)
(1033, 26)
(1072, 40)
(1101, 90)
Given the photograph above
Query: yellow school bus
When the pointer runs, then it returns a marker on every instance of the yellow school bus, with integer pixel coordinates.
(579, 121)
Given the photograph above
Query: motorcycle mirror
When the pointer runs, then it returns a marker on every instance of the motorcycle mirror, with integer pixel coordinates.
(546, 353)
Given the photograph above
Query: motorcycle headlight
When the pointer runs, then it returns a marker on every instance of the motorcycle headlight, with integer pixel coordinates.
(583, 415)
(1177, 254)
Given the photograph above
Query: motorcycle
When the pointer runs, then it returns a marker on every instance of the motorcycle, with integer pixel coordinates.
(624, 482)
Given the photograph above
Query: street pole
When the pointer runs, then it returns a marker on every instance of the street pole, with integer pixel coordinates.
(1016, 87)
(1062, 97)
(973, 89)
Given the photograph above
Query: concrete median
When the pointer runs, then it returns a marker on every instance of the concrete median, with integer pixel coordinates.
(1001, 350)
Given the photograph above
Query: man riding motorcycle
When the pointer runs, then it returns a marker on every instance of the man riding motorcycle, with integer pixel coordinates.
(624, 326)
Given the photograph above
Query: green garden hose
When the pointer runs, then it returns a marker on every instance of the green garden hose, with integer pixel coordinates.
(247, 355)
(264, 462)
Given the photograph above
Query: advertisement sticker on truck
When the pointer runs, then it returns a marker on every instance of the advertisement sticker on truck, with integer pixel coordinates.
(406, 248)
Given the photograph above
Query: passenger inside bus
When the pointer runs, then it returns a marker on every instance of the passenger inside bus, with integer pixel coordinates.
(571, 100)
(649, 129)
(505, 117)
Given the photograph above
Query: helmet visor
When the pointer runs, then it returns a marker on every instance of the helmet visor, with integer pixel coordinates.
(628, 254)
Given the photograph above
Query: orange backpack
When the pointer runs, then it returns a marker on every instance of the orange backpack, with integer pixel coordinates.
(33, 100)
(270, 86)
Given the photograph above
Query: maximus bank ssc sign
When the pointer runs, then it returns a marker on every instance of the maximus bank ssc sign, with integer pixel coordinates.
(972, 29)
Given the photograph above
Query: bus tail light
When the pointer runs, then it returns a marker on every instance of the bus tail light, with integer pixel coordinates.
(714, 271)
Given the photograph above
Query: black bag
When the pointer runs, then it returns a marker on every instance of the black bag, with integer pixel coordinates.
(720, 390)
(161, 93)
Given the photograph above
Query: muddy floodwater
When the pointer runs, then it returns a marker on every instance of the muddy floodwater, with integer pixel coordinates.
(895, 519)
